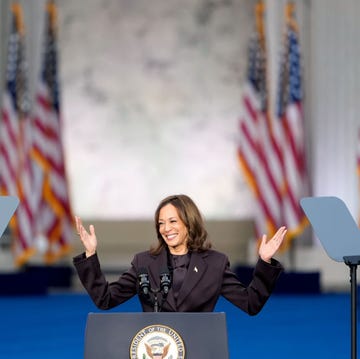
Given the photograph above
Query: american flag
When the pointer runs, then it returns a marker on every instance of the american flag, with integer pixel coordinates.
(15, 141)
(55, 221)
(258, 153)
(289, 127)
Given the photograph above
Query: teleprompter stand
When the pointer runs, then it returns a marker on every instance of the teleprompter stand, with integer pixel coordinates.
(8, 205)
(340, 236)
(156, 335)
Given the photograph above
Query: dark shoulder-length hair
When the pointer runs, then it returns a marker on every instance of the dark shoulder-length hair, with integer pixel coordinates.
(190, 215)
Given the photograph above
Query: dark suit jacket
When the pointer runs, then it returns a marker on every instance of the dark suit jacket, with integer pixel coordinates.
(208, 277)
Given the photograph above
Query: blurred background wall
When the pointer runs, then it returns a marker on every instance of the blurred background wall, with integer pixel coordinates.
(151, 97)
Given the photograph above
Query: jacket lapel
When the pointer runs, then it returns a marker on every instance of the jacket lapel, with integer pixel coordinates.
(195, 272)
(155, 267)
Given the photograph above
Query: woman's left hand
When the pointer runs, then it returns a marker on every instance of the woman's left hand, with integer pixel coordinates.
(268, 248)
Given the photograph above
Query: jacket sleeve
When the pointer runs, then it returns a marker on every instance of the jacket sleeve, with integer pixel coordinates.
(104, 294)
(252, 298)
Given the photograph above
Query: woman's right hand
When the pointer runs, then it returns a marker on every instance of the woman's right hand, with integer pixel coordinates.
(88, 239)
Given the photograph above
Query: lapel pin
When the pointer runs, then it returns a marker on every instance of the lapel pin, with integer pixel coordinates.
(195, 269)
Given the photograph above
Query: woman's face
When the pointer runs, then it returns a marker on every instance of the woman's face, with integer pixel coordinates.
(173, 230)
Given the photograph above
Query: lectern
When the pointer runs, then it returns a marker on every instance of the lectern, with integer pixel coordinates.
(340, 236)
(156, 335)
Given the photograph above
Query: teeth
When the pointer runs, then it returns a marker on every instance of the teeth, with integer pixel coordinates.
(171, 236)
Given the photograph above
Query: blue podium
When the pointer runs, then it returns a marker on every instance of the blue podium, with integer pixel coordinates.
(156, 335)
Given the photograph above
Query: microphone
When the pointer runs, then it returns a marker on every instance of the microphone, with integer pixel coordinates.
(165, 280)
(144, 281)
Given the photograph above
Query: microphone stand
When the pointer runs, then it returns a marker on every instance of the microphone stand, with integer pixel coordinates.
(156, 301)
(352, 262)
(158, 307)
(164, 288)
(165, 282)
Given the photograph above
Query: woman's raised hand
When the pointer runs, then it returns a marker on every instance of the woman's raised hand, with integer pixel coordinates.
(268, 248)
(87, 238)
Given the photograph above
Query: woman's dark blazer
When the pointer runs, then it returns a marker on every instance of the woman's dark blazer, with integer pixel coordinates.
(208, 277)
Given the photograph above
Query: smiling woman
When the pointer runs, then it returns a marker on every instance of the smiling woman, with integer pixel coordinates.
(170, 218)
(173, 230)
(182, 273)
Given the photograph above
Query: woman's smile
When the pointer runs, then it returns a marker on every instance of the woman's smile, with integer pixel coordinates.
(173, 230)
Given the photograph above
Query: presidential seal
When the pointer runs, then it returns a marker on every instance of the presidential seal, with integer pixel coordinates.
(157, 342)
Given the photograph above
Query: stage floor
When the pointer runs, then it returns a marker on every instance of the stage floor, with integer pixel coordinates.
(290, 326)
